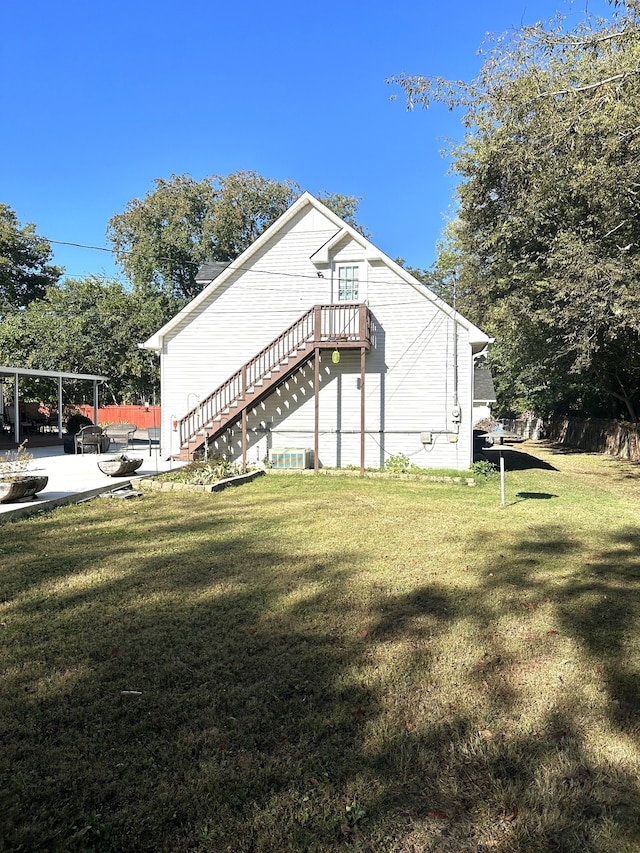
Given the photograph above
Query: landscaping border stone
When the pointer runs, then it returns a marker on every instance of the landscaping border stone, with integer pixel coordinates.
(385, 475)
(156, 484)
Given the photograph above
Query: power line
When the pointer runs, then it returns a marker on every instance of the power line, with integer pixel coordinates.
(310, 277)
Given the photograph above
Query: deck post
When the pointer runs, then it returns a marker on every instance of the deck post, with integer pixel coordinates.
(362, 401)
(316, 397)
(244, 437)
(317, 323)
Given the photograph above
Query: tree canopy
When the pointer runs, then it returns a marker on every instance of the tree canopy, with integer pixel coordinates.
(162, 239)
(546, 244)
(89, 325)
(25, 268)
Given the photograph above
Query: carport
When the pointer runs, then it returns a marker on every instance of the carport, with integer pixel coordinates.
(12, 376)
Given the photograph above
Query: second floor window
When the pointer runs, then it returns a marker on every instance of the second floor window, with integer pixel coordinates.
(348, 284)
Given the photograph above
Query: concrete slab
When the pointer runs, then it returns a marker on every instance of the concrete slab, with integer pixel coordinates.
(74, 478)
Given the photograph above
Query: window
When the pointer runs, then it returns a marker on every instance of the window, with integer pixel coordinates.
(348, 281)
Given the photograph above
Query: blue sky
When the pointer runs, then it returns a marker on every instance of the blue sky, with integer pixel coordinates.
(97, 100)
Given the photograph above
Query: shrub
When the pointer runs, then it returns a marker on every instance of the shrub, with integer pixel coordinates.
(399, 463)
(205, 473)
(483, 469)
(76, 422)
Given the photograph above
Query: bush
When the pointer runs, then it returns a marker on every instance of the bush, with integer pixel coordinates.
(399, 464)
(76, 422)
(483, 469)
(205, 473)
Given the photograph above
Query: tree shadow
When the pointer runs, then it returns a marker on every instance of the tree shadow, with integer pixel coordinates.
(261, 717)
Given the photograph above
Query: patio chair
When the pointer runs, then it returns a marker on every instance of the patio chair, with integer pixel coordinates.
(153, 434)
(90, 437)
(121, 434)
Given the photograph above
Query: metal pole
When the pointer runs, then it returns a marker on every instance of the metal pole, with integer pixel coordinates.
(59, 406)
(362, 417)
(316, 394)
(502, 495)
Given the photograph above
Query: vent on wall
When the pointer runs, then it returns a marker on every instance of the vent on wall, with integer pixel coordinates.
(291, 457)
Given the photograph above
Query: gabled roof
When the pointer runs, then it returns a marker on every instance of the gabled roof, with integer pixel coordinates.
(477, 338)
(483, 385)
(211, 270)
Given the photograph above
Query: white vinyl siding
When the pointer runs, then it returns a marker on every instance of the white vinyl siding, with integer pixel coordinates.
(409, 368)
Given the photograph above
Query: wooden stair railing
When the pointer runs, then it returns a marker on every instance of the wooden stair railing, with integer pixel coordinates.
(344, 325)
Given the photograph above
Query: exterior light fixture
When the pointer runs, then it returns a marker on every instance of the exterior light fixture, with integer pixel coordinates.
(335, 356)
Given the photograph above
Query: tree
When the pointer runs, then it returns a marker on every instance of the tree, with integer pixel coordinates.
(90, 325)
(548, 229)
(162, 239)
(25, 271)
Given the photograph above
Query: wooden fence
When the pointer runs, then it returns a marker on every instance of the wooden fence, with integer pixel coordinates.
(616, 438)
(141, 416)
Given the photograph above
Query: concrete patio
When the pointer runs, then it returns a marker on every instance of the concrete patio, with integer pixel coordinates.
(73, 478)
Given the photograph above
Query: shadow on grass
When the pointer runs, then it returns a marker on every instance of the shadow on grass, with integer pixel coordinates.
(516, 460)
(227, 689)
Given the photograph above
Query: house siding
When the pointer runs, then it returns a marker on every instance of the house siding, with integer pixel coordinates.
(409, 382)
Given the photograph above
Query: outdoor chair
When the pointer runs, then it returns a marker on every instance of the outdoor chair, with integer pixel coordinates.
(90, 437)
(121, 434)
(153, 434)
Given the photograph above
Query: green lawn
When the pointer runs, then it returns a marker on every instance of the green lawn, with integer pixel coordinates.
(328, 663)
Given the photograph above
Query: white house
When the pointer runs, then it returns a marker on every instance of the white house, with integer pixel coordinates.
(313, 345)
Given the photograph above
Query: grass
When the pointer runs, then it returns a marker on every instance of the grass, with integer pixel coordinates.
(323, 664)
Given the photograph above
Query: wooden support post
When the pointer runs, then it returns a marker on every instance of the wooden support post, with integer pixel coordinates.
(362, 413)
(244, 438)
(316, 396)
(317, 323)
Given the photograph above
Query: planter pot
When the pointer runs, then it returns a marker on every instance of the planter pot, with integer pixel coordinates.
(119, 467)
(21, 489)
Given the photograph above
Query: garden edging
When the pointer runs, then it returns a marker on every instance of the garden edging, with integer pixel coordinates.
(154, 484)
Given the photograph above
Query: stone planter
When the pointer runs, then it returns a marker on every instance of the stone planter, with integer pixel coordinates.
(22, 488)
(119, 467)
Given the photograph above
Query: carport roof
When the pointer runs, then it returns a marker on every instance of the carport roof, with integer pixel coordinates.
(51, 374)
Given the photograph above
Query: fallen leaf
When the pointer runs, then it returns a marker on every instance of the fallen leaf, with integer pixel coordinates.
(485, 734)
(410, 726)
(513, 814)
(363, 633)
(552, 633)
(357, 713)
(116, 651)
(437, 814)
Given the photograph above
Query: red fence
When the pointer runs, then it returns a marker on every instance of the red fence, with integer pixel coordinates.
(141, 416)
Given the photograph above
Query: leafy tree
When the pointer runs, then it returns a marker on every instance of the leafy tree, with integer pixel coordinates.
(89, 325)
(548, 231)
(25, 271)
(161, 240)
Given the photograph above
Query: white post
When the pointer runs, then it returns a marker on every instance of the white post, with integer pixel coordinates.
(502, 497)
